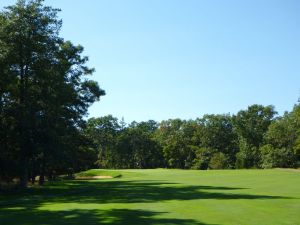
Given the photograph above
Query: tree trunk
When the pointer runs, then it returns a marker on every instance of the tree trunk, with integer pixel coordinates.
(32, 179)
(42, 175)
(24, 172)
(42, 178)
(32, 175)
(23, 141)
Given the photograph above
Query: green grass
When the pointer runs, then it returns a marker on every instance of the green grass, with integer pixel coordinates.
(161, 197)
(95, 172)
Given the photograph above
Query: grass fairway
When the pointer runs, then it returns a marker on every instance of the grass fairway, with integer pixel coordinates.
(166, 197)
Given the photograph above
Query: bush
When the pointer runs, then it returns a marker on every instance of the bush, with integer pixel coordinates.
(202, 158)
(248, 157)
(277, 157)
(218, 161)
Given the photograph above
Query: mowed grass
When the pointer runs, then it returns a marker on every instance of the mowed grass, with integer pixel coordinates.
(161, 197)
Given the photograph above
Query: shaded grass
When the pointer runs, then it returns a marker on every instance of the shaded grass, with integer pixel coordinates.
(160, 197)
(79, 217)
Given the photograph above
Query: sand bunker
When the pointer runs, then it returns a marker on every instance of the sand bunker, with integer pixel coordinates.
(102, 177)
(94, 177)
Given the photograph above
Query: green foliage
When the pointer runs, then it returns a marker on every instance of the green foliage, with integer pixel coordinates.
(121, 146)
(277, 157)
(251, 126)
(253, 123)
(296, 116)
(210, 142)
(248, 156)
(44, 92)
(177, 138)
(282, 141)
(217, 132)
(218, 161)
(103, 132)
(282, 132)
(202, 158)
(138, 147)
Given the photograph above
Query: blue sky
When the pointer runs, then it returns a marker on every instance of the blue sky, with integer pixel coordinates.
(161, 59)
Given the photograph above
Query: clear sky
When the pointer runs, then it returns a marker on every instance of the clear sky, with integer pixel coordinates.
(160, 59)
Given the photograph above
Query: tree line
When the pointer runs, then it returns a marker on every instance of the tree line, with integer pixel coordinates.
(253, 138)
(45, 92)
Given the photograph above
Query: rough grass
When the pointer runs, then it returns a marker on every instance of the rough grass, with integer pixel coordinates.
(161, 197)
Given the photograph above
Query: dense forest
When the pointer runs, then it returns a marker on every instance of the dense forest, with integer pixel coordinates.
(253, 138)
(45, 92)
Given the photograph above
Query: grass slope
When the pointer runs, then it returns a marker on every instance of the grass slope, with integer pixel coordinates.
(96, 172)
(161, 197)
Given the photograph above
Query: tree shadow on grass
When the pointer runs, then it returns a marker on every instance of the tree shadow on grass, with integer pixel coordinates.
(27, 207)
(91, 217)
(118, 191)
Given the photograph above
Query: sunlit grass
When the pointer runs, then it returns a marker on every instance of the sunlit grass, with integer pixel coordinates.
(161, 196)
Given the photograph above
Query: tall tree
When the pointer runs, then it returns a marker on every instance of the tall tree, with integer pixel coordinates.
(217, 133)
(251, 125)
(104, 131)
(49, 91)
(281, 147)
(178, 138)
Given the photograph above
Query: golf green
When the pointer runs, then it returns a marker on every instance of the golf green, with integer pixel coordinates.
(160, 196)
